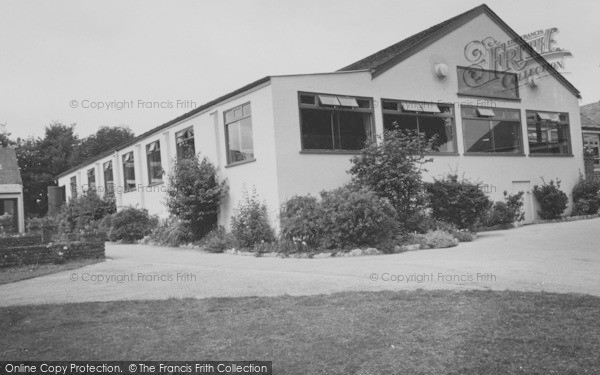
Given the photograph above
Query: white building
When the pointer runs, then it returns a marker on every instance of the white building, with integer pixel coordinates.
(294, 134)
(11, 190)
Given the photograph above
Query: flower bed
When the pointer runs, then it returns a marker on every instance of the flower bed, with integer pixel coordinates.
(50, 253)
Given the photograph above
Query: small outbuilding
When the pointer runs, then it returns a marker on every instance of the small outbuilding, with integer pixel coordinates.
(12, 215)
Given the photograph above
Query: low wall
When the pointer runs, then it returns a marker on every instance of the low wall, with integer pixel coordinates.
(17, 241)
(55, 253)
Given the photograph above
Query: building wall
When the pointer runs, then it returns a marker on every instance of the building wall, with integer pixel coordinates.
(414, 79)
(209, 138)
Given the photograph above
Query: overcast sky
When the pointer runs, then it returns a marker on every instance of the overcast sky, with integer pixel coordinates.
(53, 53)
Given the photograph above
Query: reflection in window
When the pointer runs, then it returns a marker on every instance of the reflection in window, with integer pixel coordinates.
(185, 143)
(430, 119)
(238, 130)
(548, 133)
(155, 171)
(335, 122)
(128, 172)
(492, 130)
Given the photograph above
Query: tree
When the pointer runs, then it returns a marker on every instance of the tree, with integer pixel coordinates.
(194, 194)
(392, 168)
(5, 140)
(106, 138)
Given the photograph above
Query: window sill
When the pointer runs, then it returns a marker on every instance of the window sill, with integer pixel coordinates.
(516, 100)
(329, 152)
(492, 154)
(443, 154)
(240, 163)
(155, 184)
(129, 190)
(552, 155)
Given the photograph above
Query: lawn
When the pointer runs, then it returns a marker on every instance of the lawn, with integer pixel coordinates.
(427, 332)
(12, 274)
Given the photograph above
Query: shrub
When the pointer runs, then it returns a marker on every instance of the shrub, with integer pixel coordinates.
(300, 221)
(131, 224)
(586, 196)
(437, 239)
(6, 223)
(194, 194)
(171, 232)
(552, 200)
(392, 168)
(355, 217)
(250, 222)
(217, 241)
(508, 212)
(463, 235)
(80, 212)
(460, 202)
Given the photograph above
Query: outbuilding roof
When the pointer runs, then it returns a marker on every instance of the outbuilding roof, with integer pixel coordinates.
(10, 174)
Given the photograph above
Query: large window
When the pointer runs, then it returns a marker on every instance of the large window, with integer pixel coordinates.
(109, 184)
(74, 187)
(548, 133)
(492, 130)
(591, 141)
(335, 122)
(91, 177)
(431, 119)
(488, 83)
(155, 171)
(238, 132)
(128, 172)
(185, 143)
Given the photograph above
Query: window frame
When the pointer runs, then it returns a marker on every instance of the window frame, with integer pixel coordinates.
(178, 143)
(93, 174)
(459, 80)
(108, 190)
(226, 131)
(569, 152)
(417, 114)
(149, 166)
(127, 189)
(490, 120)
(370, 110)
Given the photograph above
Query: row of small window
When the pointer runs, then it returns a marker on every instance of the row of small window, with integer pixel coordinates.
(240, 148)
(339, 123)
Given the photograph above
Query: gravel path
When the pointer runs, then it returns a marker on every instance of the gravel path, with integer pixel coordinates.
(557, 257)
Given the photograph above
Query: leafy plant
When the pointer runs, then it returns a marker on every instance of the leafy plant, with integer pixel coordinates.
(301, 221)
(194, 194)
(508, 212)
(250, 222)
(437, 239)
(552, 200)
(131, 224)
(171, 232)
(392, 168)
(80, 212)
(217, 241)
(586, 196)
(460, 202)
(355, 217)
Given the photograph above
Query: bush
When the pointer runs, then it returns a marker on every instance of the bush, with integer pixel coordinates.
(586, 196)
(131, 224)
(463, 235)
(508, 212)
(79, 213)
(460, 202)
(392, 168)
(354, 218)
(300, 221)
(552, 200)
(171, 232)
(217, 241)
(250, 222)
(194, 194)
(437, 239)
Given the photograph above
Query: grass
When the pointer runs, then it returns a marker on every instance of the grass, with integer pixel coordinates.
(12, 274)
(425, 332)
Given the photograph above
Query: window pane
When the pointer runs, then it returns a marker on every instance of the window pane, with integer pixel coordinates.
(74, 187)
(441, 128)
(548, 137)
(353, 129)
(240, 146)
(506, 136)
(186, 149)
(479, 82)
(404, 122)
(108, 179)
(155, 170)
(316, 129)
(478, 137)
(128, 172)
(91, 175)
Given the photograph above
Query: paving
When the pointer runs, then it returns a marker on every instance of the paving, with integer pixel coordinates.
(557, 257)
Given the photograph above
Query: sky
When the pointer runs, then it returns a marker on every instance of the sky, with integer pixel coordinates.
(60, 61)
